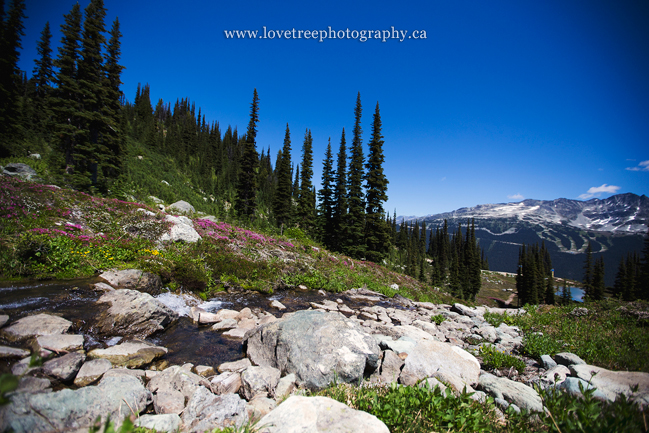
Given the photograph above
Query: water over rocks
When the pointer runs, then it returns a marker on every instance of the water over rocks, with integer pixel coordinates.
(347, 337)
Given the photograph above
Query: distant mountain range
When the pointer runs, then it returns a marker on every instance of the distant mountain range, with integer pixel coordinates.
(614, 226)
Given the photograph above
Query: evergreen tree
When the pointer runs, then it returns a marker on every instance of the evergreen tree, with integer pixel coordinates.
(619, 287)
(340, 196)
(566, 296)
(247, 185)
(643, 274)
(355, 221)
(377, 232)
(10, 45)
(67, 95)
(598, 286)
(113, 133)
(588, 271)
(282, 200)
(326, 197)
(43, 76)
(305, 205)
(549, 290)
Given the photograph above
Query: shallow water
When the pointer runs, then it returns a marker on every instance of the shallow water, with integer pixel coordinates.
(187, 342)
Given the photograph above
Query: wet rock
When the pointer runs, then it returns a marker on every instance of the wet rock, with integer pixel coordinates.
(285, 387)
(92, 371)
(225, 325)
(12, 352)
(161, 423)
(181, 206)
(204, 370)
(201, 316)
(69, 410)
(315, 346)
(38, 324)
(517, 393)
(568, 359)
(614, 383)
(34, 385)
(226, 383)
(236, 366)
(276, 304)
(22, 367)
(429, 357)
(225, 314)
(131, 354)
(259, 381)
(133, 313)
(59, 342)
(3, 320)
(133, 279)
(64, 368)
(319, 414)
(206, 411)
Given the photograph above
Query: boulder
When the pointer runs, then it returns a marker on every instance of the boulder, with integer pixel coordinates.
(64, 368)
(18, 169)
(226, 383)
(285, 387)
(259, 407)
(181, 206)
(69, 410)
(133, 313)
(38, 324)
(613, 383)
(92, 371)
(259, 381)
(133, 279)
(179, 379)
(548, 362)
(182, 230)
(204, 370)
(390, 368)
(12, 352)
(316, 346)
(3, 320)
(276, 304)
(568, 359)
(59, 342)
(161, 423)
(224, 325)
(206, 411)
(464, 310)
(131, 354)
(517, 393)
(554, 375)
(169, 401)
(319, 414)
(404, 344)
(574, 385)
(236, 366)
(34, 385)
(201, 316)
(429, 357)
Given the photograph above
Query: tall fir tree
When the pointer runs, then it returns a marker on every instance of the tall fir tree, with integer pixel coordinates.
(12, 31)
(377, 231)
(326, 199)
(305, 204)
(588, 271)
(67, 94)
(282, 200)
(246, 203)
(113, 133)
(598, 285)
(340, 196)
(42, 77)
(355, 221)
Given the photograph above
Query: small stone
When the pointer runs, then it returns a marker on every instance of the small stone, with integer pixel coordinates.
(204, 370)
(236, 366)
(548, 362)
(59, 342)
(65, 367)
(11, 352)
(276, 304)
(224, 325)
(3, 320)
(92, 371)
(285, 387)
(568, 359)
(160, 423)
(226, 383)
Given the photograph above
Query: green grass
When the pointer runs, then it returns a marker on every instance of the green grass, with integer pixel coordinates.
(495, 359)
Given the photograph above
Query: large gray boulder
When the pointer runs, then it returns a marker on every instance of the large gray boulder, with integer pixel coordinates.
(133, 279)
(259, 381)
(517, 393)
(614, 383)
(319, 414)
(316, 346)
(430, 357)
(133, 313)
(130, 354)
(33, 326)
(181, 206)
(207, 411)
(18, 169)
(69, 410)
(182, 230)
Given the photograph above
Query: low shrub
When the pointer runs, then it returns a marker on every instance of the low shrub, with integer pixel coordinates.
(493, 358)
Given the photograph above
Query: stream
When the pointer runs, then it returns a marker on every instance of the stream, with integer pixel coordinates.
(75, 300)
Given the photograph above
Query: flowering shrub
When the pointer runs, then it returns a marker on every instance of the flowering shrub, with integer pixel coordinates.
(237, 235)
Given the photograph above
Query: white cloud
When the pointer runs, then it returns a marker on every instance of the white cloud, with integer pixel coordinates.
(516, 197)
(596, 191)
(643, 166)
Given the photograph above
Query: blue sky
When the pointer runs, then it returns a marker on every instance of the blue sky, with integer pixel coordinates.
(503, 100)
